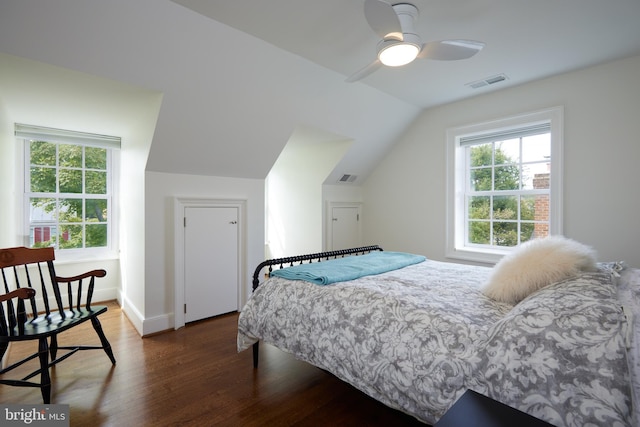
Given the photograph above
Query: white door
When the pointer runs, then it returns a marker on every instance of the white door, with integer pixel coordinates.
(345, 227)
(210, 261)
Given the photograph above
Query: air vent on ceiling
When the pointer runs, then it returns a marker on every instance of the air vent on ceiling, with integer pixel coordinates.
(488, 81)
(348, 178)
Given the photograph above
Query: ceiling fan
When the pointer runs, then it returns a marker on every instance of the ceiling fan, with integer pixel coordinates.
(400, 44)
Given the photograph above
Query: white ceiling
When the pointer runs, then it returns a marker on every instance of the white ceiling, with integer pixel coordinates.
(239, 77)
(525, 39)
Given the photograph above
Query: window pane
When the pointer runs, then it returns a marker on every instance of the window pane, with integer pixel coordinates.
(541, 229)
(481, 155)
(479, 207)
(42, 236)
(541, 207)
(507, 178)
(70, 156)
(527, 208)
(526, 232)
(505, 233)
(507, 151)
(480, 179)
(42, 210)
(535, 176)
(536, 148)
(479, 232)
(71, 210)
(43, 180)
(96, 182)
(96, 210)
(42, 153)
(96, 235)
(70, 181)
(505, 207)
(70, 236)
(95, 158)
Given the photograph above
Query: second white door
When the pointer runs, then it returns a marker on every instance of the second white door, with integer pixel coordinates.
(345, 227)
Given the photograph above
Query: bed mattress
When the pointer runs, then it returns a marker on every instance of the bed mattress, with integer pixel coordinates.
(417, 338)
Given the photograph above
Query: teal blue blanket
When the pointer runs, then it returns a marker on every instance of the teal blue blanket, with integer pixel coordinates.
(348, 268)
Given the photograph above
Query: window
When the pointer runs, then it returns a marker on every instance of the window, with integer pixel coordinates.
(68, 197)
(504, 184)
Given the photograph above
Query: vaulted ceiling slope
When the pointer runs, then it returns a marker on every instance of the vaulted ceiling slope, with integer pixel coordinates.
(230, 100)
(524, 39)
(238, 77)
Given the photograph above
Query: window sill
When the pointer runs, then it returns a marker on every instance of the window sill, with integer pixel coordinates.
(484, 256)
(74, 257)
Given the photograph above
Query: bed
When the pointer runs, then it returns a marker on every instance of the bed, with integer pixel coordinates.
(418, 336)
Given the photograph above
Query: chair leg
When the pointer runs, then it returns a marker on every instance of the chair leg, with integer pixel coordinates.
(103, 339)
(53, 347)
(3, 352)
(45, 380)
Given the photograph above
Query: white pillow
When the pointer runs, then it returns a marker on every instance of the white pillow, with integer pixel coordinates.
(536, 264)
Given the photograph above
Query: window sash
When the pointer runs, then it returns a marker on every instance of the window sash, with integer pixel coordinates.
(492, 138)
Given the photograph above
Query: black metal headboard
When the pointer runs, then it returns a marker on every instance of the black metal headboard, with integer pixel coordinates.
(309, 257)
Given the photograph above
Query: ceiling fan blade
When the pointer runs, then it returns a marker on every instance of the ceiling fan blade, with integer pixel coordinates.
(364, 72)
(382, 19)
(450, 50)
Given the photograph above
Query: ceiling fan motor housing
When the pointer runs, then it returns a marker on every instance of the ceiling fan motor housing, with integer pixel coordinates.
(407, 15)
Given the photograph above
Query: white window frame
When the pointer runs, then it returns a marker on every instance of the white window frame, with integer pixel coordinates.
(456, 247)
(25, 134)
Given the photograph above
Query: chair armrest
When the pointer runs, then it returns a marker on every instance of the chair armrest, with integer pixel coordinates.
(22, 293)
(92, 273)
(77, 281)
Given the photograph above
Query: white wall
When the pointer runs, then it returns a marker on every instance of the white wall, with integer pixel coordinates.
(161, 191)
(8, 175)
(133, 159)
(405, 196)
(294, 208)
(39, 94)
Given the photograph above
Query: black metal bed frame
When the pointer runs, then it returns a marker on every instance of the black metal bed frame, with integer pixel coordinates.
(300, 259)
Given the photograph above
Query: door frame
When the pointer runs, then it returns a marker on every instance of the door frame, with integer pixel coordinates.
(329, 220)
(179, 206)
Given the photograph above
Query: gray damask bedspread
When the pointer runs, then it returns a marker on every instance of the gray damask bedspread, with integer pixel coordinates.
(417, 338)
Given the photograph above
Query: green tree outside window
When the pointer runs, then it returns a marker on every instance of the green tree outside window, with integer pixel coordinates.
(69, 187)
(493, 219)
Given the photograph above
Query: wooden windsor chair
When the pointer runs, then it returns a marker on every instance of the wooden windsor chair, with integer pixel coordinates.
(37, 306)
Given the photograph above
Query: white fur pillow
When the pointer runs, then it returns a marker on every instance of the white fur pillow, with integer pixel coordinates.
(536, 264)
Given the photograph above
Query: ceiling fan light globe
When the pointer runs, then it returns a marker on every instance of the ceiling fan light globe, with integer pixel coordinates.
(398, 54)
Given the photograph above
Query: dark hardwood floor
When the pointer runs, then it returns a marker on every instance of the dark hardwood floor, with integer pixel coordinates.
(195, 377)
